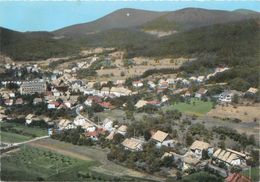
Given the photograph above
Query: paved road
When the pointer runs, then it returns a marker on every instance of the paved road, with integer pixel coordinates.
(87, 119)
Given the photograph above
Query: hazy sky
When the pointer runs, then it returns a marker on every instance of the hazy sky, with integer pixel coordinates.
(35, 15)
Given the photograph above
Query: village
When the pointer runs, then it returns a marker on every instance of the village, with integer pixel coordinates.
(65, 102)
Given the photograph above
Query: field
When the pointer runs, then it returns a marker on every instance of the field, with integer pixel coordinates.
(31, 164)
(254, 174)
(196, 107)
(141, 64)
(13, 132)
(12, 137)
(244, 113)
(106, 168)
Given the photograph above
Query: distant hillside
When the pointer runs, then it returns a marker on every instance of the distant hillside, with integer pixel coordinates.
(123, 18)
(180, 20)
(190, 18)
(200, 31)
(34, 45)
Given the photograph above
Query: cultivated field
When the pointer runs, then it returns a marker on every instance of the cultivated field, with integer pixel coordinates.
(98, 155)
(34, 164)
(244, 113)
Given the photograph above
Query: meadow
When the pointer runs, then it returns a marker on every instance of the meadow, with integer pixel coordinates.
(14, 132)
(193, 107)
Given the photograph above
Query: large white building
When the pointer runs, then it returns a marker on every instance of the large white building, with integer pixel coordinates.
(32, 87)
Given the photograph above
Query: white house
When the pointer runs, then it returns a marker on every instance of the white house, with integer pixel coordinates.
(108, 124)
(197, 148)
(28, 118)
(225, 96)
(137, 84)
(229, 157)
(162, 138)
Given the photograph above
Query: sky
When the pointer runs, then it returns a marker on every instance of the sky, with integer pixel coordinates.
(52, 15)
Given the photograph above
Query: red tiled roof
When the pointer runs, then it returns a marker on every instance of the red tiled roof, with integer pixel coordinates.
(236, 177)
(106, 105)
(95, 99)
(55, 103)
(153, 102)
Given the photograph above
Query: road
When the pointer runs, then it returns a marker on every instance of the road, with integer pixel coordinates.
(87, 119)
(21, 143)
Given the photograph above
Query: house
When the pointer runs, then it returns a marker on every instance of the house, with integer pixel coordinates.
(32, 87)
(111, 135)
(53, 105)
(164, 99)
(198, 147)
(200, 79)
(162, 138)
(106, 105)
(179, 91)
(122, 129)
(28, 118)
(201, 92)
(189, 161)
(170, 81)
(237, 177)
(140, 104)
(88, 127)
(89, 91)
(37, 101)
(9, 102)
(229, 157)
(154, 103)
(93, 99)
(133, 144)
(108, 124)
(252, 91)
(66, 124)
(151, 84)
(225, 96)
(137, 84)
(93, 135)
(104, 91)
(11, 95)
(163, 85)
(19, 101)
(120, 91)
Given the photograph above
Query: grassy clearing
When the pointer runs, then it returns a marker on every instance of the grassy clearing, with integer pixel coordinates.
(13, 132)
(12, 137)
(195, 106)
(254, 174)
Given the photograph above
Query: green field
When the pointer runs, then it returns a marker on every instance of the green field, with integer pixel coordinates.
(254, 174)
(33, 164)
(13, 132)
(196, 107)
(12, 137)
(37, 164)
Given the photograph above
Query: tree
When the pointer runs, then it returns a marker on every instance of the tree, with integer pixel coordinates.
(118, 138)
(147, 135)
(235, 99)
